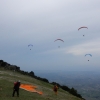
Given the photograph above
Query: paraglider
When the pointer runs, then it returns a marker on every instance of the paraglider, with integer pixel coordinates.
(30, 45)
(55, 89)
(59, 40)
(82, 27)
(88, 55)
(30, 88)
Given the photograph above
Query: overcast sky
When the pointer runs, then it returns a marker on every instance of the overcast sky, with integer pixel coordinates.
(40, 23)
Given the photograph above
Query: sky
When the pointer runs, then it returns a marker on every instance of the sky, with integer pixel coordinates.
(40, 23)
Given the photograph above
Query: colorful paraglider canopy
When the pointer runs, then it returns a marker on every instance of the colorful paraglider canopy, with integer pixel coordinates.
(82, 27)
(88, 54)
(59, 40)
(30, 88)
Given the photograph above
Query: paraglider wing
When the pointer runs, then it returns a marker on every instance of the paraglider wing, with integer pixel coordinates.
(88, 54)
(59, 39)
(30, 88)
(30, 45)
(82, 27)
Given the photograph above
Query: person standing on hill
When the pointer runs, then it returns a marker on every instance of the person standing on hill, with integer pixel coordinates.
(55, 89)
(16, 88)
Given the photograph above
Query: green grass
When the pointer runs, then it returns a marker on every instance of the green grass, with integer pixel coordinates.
(7, 79)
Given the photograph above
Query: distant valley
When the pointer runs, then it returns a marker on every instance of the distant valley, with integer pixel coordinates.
(86, 83)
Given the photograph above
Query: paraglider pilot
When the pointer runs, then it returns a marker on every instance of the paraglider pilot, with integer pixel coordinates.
(55, 88)
(16, 88)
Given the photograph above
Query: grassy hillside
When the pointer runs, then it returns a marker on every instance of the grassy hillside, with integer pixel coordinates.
(7, 79)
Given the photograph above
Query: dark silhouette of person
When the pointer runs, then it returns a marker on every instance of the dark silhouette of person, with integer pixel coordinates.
(16, 88)
(55, 89)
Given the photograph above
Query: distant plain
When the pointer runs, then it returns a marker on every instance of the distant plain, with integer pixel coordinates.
(87, 83)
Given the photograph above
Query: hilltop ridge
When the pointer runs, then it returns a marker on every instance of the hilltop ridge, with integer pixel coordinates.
(7, 77)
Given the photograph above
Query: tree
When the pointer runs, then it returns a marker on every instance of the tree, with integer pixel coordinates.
(1, 61)
(3, 64)
(31, 73)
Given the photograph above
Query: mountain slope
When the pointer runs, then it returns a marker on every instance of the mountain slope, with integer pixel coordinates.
(7, 79)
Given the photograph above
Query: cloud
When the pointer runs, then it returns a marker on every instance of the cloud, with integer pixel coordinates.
(83, 48)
